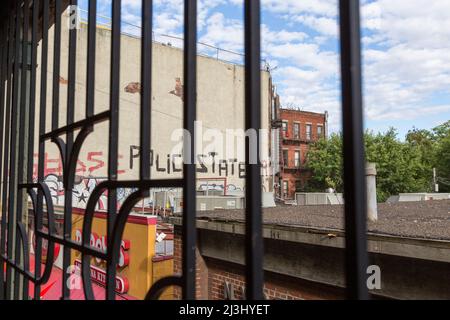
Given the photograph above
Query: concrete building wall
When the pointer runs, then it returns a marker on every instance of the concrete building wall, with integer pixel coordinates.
(312, 260)
(309, 264)
(220, 106)
(224, 279)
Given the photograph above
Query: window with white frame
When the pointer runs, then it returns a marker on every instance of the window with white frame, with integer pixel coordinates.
(308, 132)
(297, 158)
(319, 131)
(296, 130)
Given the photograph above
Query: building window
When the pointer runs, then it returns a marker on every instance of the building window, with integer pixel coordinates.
(285, 158)
(298, 186)
(285, 129)
(296, 130)
(297, 158)
(285, 188)
(319, 131)
(308, 132)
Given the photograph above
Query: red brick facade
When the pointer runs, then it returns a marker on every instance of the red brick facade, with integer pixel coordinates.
(300, 129)
(201, 269)
(214, 276)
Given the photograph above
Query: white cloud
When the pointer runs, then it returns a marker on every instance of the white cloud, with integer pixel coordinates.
(407, 61)
(406, 46)
(326, 8)
(323, 25)
(222, 32)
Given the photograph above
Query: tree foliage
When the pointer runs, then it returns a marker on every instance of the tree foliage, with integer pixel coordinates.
(442, 155)
(402, 166)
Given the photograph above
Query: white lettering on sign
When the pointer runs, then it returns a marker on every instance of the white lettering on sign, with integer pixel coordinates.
(100, 243)
(99, 275)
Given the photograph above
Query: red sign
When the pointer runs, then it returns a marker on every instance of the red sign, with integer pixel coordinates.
(44, 247)
(99, 242)
(99, 275)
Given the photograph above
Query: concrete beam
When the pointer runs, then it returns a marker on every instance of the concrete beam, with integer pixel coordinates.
(427, 249)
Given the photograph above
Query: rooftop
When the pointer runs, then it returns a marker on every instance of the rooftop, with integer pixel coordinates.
(426, 219)
(295, 110)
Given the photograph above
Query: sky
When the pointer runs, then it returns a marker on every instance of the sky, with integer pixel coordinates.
(405, 51)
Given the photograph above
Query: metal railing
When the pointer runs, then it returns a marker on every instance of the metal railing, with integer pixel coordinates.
(203, 48)
(17, 107)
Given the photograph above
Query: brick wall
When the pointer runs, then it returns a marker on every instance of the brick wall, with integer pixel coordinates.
(177, 268)
(201, 269)
(213, 275)
(303, 118)
(278, 287)
(292, 177)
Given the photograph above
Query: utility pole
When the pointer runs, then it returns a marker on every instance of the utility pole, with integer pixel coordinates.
(435, 184)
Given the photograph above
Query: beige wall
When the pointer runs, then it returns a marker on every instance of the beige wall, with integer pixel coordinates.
(220, 106)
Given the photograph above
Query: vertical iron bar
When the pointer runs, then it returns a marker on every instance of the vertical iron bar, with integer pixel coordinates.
(32, 105)
(69, 143)
(253, 221)
(56, 65)
(113, 139)
(71, 81)
(8, 111)
(90, 78)
(21, 163)
(354, 163)
(3, 47)
(5, 134)
(146, 88)
(189, 237)
(12, 207)
(41, 151)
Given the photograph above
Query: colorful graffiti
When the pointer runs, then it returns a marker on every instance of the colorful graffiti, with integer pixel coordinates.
(92, 168)
(83, 188)
(206, 164)
(92, 165)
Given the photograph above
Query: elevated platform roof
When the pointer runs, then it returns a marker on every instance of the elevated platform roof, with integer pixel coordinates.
(423, 220)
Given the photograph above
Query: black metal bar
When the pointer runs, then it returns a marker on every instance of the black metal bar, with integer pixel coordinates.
(253, 226)
(76, 125)
(71, 79)
(68, 186)
(91, 52)
(3, 55)
(354, 162)
(56, 65)
(41, 151)
(146, 88)
(12, 205)
(162, 284)
(32, 101)
(6, 65)
(189, 237)
(42, 187)
(113, 139)
(22, 120)
(72, 245)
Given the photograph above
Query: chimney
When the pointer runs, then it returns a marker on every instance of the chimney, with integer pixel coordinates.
(371, 182)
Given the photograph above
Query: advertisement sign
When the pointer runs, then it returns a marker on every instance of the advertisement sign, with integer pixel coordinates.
(99, 275)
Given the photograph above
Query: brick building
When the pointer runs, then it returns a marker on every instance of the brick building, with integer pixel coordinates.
(299, 129)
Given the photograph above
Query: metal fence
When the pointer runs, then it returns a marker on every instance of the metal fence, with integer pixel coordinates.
(203, 49)
(18, 111)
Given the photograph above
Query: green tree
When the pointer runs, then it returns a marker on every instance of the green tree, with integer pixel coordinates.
(442, 131)
(401, 166)
(325, 160)
(442, 155)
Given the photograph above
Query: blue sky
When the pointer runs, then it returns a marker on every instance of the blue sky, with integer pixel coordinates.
(406, 52)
